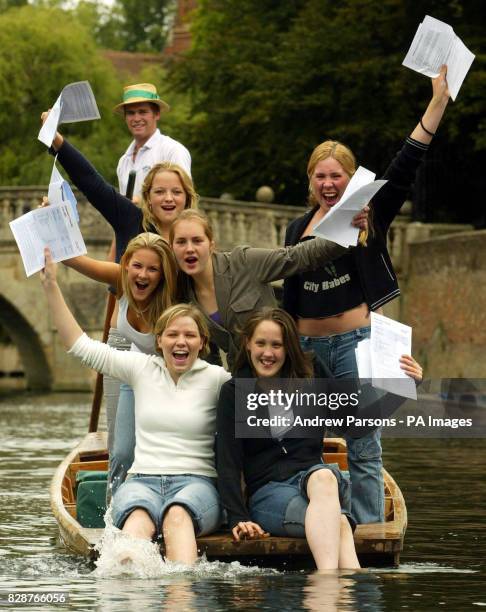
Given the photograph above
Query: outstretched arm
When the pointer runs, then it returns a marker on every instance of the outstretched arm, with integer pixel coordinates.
(426, 129)
(64, 321)
(402, 170)
(101, 271)
(120, 212)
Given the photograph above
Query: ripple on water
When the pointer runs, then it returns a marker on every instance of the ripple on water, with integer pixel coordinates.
(423, 568)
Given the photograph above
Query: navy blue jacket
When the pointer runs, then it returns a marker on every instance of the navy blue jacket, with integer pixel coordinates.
(376, 274)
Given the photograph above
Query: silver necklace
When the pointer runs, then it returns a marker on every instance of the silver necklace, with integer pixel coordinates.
(140, 313)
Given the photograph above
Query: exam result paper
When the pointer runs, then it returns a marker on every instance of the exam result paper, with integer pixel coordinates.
(51, 226)
(336, 225)
(76, 102)
(435, 44)
(389, 341)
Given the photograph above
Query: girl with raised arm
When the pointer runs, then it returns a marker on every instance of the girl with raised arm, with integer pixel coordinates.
(230, 286)
(171, 491)
(332, 320)
(167, 190)
(146, 285)
(291, 491)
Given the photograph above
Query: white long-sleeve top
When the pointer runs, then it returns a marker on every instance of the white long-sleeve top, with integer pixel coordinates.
(174, 423)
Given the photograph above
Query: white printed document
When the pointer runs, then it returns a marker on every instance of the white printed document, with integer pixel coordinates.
(378, 357)
(363, 358)
(389, 341)
(435, 44)
(75, 103)
(60, 191)
(336, 225)
(51, 226)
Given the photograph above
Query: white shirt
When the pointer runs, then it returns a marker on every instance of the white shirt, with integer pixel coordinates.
(174, 423)
(157, 149)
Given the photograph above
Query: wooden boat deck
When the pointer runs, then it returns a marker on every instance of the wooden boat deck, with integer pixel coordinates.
(376, 544)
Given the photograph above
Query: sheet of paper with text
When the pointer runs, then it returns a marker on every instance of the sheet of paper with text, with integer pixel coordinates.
(435, 44)
(52, 226)
(389, 341)
(76, 102)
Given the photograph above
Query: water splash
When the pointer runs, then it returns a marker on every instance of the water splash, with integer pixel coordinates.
(121, 555)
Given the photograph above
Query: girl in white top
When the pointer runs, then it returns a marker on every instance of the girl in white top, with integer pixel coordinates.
(146, 280)
(171, 492)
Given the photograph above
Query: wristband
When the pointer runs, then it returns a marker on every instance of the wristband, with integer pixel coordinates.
(425, 129)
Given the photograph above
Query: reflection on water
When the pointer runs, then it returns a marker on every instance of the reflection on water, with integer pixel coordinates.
(442, 565)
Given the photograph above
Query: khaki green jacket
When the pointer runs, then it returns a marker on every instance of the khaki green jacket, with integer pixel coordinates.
(242, 277)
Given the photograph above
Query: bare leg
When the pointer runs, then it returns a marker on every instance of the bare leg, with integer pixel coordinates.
(347, 551)
(322, 519)
(179, 536)
(139, 525)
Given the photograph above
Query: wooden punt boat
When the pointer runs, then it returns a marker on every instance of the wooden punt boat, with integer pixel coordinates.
(377, 544)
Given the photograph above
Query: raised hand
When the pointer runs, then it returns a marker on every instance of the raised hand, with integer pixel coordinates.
(58, 138)
(48, 274)
(360, 220)
(440, 89)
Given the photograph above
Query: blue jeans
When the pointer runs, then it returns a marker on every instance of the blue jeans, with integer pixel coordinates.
(155, 494)
(123, 447)
(111, 386)
(364, 454)
(280, 506)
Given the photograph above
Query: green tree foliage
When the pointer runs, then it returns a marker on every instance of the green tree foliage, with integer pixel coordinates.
(146, 24)
(269, 80)
(105, 23)
(6, 4)
(41, 50)
(128, 25)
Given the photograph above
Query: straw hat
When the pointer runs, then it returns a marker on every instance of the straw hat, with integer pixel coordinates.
(141, 92)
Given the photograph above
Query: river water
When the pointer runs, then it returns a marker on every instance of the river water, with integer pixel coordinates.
(443, 564)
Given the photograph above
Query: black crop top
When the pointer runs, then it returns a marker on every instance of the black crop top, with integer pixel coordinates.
(330, 290)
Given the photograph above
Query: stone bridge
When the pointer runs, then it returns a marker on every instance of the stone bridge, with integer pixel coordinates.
(31, 355)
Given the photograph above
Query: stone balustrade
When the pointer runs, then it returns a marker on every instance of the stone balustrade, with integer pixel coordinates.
(40, 354)
(234, 222)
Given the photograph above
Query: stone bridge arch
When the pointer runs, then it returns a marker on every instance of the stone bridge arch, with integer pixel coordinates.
(38, 374)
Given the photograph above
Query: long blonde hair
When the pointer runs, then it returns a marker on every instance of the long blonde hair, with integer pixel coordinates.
(164, 294)
(149, 221)
(342, 154)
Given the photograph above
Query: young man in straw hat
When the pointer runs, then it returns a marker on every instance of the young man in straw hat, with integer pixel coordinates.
(141, 107)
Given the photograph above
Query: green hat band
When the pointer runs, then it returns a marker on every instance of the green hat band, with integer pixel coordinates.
(139, 93)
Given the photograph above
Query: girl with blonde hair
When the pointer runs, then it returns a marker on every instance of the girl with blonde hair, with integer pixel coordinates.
(146, 279)
(333, 319)
(171, 492)
(230, 286)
